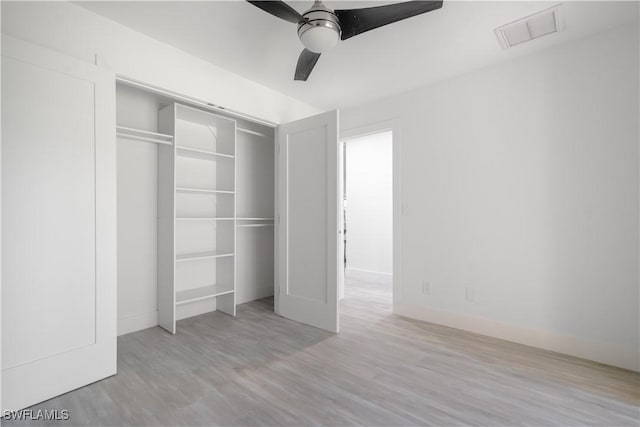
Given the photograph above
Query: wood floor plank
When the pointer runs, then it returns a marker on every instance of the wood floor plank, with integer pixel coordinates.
(260, 369)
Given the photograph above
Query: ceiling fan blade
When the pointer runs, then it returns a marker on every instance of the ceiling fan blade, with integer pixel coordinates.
(279, 9)
(357, 21)
(306, 62)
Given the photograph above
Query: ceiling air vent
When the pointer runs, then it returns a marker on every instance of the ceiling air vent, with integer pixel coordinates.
(531, 27)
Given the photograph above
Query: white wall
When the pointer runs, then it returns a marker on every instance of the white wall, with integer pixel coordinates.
(137, 221)
(369, 192)
(521, 181)
(75, 31)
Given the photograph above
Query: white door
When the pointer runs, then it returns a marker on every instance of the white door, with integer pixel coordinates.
(308, 227)
(58, 224)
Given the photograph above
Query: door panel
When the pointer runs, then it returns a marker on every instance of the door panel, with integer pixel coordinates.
(40, 177)
(307, 214)
(58, 222)
(307, 248)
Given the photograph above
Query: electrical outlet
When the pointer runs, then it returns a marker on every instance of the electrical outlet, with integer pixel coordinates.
(470, 294)
(426, 287)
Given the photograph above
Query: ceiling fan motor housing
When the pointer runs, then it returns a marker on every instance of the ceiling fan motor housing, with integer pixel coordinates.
(321, 29)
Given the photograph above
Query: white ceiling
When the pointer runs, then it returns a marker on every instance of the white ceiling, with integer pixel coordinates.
(453, 40)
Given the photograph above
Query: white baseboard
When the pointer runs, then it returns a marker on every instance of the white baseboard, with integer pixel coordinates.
(253, 294)
(137, 322)
(622, 357)
(368, 276)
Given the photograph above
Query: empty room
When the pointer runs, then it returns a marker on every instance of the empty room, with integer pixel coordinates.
(306, 213)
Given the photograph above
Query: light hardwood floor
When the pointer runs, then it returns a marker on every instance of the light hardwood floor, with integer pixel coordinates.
(261, 369)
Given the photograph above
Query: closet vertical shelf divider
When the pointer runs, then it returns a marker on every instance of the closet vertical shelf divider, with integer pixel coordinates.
(196, 215)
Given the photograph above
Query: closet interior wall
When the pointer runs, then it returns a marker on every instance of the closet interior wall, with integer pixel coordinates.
(139, 175)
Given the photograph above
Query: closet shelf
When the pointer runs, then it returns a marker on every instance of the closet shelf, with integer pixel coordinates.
(201, 154)
(199, 294)
(202, 255)
(143, 135)
(185, 218)
(202, 190)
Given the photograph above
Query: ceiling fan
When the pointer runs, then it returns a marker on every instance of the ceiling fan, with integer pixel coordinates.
(319, 28)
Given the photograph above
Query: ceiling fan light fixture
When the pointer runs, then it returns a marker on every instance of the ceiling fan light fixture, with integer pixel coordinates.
(319, 39)
(320, 31)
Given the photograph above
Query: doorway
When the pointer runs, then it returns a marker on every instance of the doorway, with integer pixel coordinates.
(368, 208)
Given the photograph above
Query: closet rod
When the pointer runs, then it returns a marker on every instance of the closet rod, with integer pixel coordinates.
(143, 138)
(251, 132)
(255, 225)
(188, 99)
(254, 219)
(144, 132)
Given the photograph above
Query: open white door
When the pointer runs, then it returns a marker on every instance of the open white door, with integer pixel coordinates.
(58, 224)
(307, 226)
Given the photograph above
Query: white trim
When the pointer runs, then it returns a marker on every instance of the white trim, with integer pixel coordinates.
(137, 322)
(369, 276)
(392, 125)
(622, 357)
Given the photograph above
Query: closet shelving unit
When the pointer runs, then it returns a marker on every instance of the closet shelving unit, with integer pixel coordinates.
(196, 215)
(195, 209)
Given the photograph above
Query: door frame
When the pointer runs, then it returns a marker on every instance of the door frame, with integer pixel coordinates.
(399, 209)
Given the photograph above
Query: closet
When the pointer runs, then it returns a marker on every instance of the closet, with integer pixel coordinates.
(195, 210)
(113, 223)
